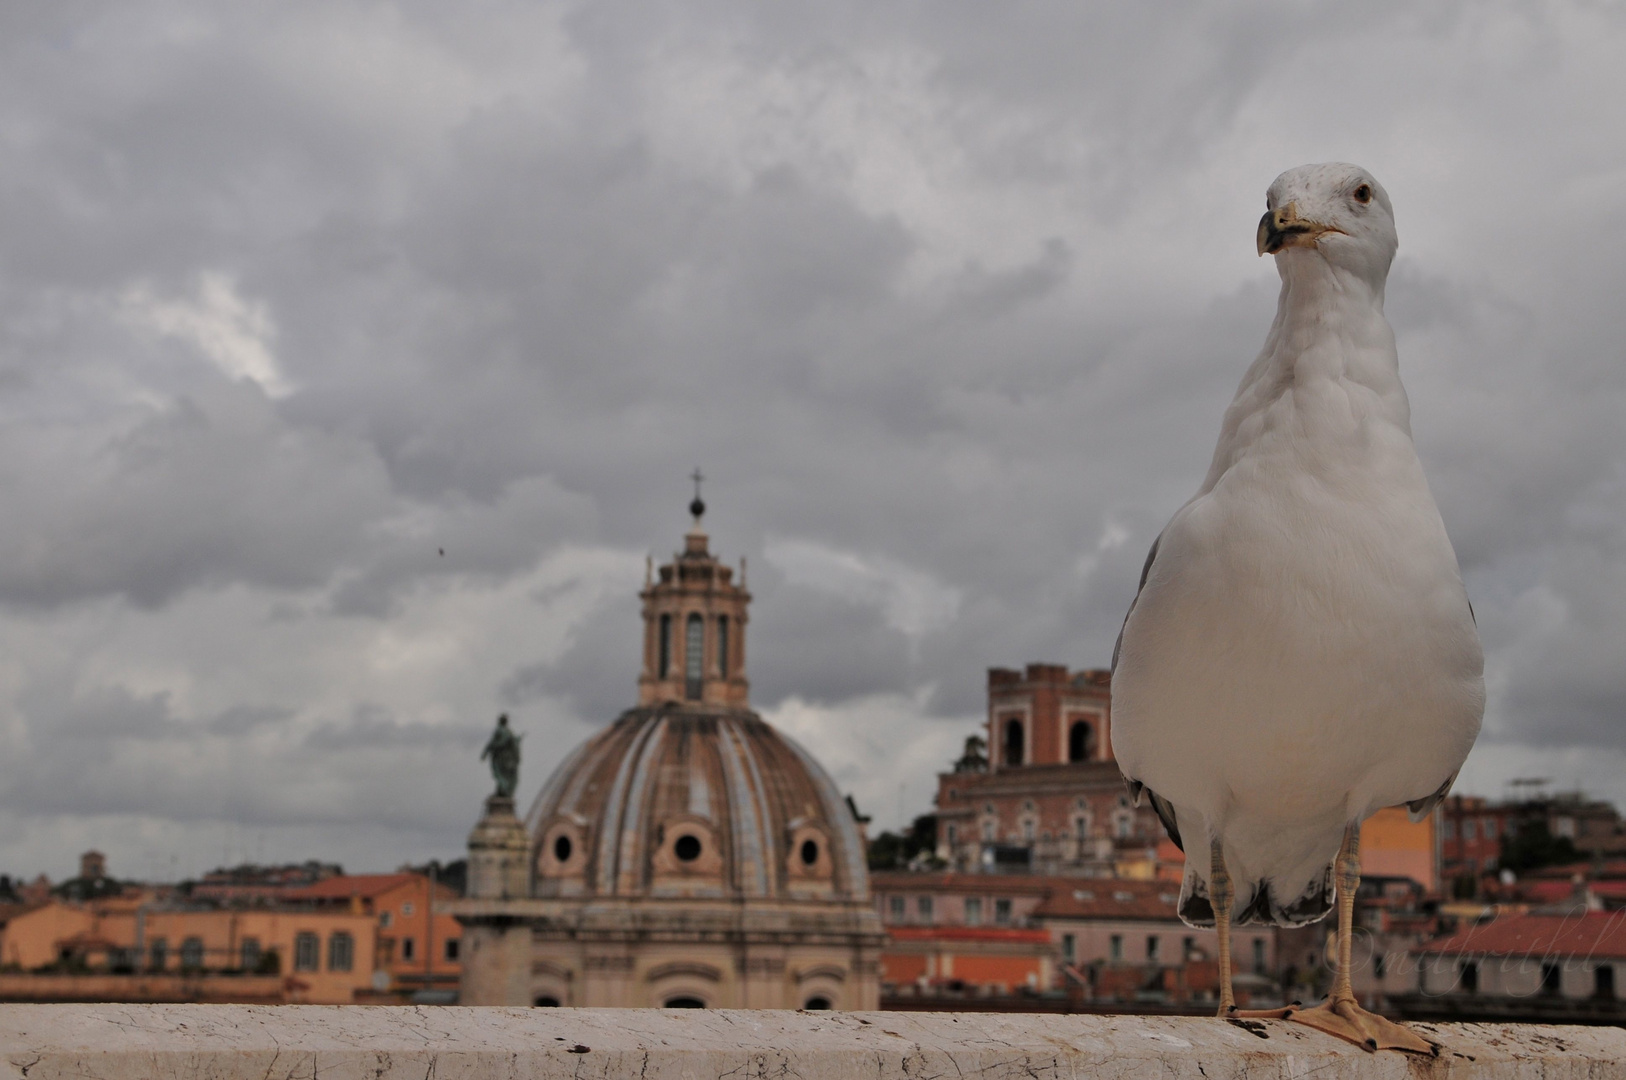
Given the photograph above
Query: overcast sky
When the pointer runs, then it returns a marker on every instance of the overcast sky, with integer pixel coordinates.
(946, 299)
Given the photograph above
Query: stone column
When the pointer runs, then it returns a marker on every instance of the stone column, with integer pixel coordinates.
(497, 957)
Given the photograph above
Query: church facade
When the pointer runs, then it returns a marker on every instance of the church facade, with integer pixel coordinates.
(688, 855)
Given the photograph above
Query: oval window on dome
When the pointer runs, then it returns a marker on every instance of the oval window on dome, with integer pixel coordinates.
(687, 848)
(562, 849)
(810, 852)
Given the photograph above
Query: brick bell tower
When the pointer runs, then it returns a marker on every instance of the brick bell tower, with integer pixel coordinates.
(694, 626)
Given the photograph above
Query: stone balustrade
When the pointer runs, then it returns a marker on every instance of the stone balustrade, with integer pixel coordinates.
(225, 1042)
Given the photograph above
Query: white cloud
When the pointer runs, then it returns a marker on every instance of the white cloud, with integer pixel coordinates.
(848, 739)
(913, 602)
(233, 334)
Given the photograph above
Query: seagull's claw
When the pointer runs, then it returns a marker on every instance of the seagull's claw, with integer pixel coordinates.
(1347, 1020)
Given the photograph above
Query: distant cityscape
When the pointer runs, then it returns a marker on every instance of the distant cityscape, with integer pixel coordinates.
(690, 856)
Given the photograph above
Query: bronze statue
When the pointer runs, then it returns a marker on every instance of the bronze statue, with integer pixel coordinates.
(503, 750)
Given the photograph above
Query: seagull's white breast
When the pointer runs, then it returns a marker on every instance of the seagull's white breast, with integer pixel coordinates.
(1302, 652)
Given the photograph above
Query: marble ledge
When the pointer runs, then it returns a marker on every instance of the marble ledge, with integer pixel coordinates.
(294, 1042)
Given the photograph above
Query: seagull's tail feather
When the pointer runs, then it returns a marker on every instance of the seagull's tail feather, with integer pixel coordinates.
(1196, 909)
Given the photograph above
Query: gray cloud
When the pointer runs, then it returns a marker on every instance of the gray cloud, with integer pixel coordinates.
(293, 298)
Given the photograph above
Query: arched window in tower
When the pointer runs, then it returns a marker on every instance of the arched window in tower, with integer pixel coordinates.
(1013, 742)
(666, 646)
(722, 646)
(694, 647)
(1080, 741)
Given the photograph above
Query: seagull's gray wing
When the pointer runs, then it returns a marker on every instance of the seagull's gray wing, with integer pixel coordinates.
(1145, 572)
(1165, 809)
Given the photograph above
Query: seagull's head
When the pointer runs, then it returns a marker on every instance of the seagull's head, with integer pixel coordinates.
(1337, 211)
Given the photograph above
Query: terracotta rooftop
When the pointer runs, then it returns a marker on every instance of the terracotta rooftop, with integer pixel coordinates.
(1091, 898)
(1063, 897)
(1596, 935)
(345, 886)
(905, 881)
(1020, 934)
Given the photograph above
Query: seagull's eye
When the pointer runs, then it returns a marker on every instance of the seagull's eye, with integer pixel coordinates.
(1363, 194)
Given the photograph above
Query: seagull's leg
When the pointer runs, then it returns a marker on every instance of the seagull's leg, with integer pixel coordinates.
(1220, 896)
(1341, 1014)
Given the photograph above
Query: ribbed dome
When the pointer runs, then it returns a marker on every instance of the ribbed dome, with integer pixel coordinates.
(694, 801)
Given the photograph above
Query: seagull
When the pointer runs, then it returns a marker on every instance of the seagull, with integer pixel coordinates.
(1301, 652)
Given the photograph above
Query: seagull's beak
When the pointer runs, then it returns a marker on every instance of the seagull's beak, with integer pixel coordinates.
(1283, 228)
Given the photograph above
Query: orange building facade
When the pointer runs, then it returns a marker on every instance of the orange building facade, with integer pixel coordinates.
(322, 957)
(416, 948)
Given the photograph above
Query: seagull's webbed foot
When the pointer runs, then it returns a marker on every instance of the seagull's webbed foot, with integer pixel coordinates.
(1347, 1020)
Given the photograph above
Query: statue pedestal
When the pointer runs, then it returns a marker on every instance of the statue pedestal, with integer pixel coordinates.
(499, 854)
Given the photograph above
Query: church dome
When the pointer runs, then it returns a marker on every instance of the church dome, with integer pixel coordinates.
(695, 801)
(686, 855)
(691, 794)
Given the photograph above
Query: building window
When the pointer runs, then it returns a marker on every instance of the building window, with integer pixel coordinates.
(385, 918)
(988, 830)
(249, 956)
(1115, 947)
(816, 1003)
(722, 646)
(407, 910)
(1490, 828)
(307, 951)
(341, 951)
(973, 911)
(1027, 830)
(1448, 831)
(683, 1003)
(1013, 741)
(159, 954)
(1081, 828)
(896, 905)
(1126, 825)
(409, 949)
(1259, 957)
(1188, 948)
(694, 645)
(1564, 826)
(666, 646)
(1468, 830)
(923, 908)
(1069, 948)
(1002, 911)
(1080, 741)
(953, 835)
(1551, 978)
(1380, 965)
(192, 954)
(546, 1001)
(1151, 948)
(452, 945)
(1603, 982)
(1468, 977)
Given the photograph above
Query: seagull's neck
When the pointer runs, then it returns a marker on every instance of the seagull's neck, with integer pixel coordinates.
(1328, 367)
(1330, 324)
